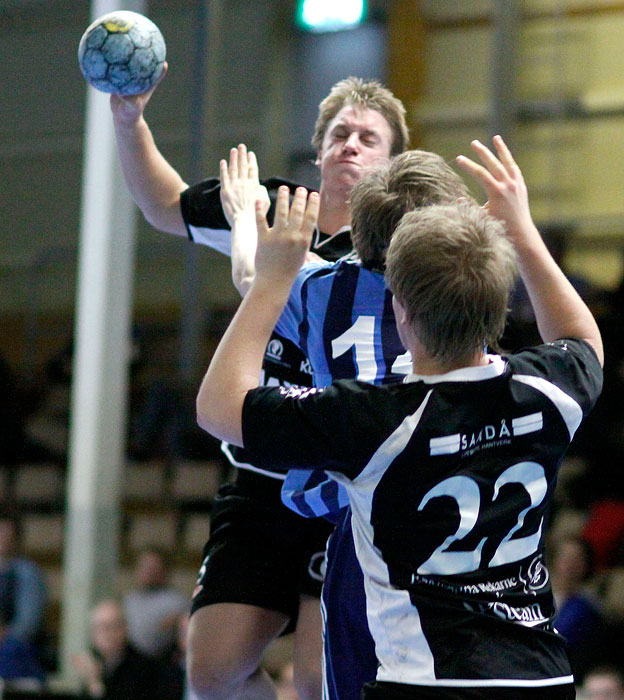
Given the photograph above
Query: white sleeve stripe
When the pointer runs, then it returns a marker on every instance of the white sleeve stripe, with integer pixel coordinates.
(449, 444)
(528, 424)
(570, 410)
(217, 238)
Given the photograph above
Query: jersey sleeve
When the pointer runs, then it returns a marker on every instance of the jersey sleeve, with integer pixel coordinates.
(203, 214)
(569, 363)
(330, 428)
(295, 310)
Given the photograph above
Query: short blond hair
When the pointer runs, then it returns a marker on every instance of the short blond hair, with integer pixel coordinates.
(378, 201)
(363, 93)
(452, 269)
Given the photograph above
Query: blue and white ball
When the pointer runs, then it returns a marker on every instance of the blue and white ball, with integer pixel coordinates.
(122, 52)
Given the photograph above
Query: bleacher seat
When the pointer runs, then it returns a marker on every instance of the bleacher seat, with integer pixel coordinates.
(39, 484)
(194, 482)
(151, 529)
(195, 532)
(144, 482)
(42, 536)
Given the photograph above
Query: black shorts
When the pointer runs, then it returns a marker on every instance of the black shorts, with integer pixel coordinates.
(403, 691)
(259, 552)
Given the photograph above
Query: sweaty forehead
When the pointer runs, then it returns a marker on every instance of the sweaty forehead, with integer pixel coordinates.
(358, 118)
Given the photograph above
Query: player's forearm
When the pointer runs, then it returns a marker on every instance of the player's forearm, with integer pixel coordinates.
(236, 365)
(244, 244)
(153, 183)
(559, 310)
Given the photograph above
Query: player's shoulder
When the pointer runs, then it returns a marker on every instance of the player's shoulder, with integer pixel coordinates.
(563, 351)
(274, 183)
(569, 363)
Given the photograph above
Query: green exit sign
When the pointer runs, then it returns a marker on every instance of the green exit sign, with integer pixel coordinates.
(330, 15)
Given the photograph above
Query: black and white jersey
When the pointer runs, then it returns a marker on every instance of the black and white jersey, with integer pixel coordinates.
(284, 363)
(449, 480)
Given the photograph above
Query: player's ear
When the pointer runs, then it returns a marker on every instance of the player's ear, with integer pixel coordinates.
(399, 312)
(317, 162)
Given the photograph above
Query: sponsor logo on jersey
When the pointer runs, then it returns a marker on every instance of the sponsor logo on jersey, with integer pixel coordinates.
(317, 566)
(487, 436)
(293, 392)
(527, 615)
(305, 367)
(275, 350)
(536, 575)
(472, 589)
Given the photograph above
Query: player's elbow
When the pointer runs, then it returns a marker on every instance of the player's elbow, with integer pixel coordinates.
(243, 283)
(164, 216)
(219, 419)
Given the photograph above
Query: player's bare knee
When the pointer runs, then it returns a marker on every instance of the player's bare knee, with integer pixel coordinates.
(211, 684)
(308, 681)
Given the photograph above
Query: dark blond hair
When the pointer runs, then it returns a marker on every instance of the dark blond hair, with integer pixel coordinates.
(379, 200)
(452, 268)
(361, 93)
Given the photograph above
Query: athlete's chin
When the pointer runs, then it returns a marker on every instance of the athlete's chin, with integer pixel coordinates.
(346, 180)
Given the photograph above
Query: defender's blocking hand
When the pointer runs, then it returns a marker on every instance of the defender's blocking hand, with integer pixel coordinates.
(282, 248)
(503, 183)
(240, 184)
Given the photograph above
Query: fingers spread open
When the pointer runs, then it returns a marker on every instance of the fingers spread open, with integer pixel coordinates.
(223, 173)
(297, 208)
(233, 165)
(311, 214)
(506, 158)
(242, 161)
(476, 170)
(252, 171)
(262, 224)
(491, 162)
(281, 207)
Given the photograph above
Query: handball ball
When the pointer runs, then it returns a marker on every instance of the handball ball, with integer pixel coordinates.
(122, 52)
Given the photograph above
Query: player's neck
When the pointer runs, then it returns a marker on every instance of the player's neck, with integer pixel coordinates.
(424, 365)
(334, 213)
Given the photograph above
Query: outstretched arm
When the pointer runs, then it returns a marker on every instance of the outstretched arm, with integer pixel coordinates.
(236, 364)
(240, 189)
(559, 310)
(154, 184)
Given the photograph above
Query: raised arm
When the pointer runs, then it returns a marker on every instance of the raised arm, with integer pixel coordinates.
(153, 183)
(559, 310)
(236, 365)
(240, 189)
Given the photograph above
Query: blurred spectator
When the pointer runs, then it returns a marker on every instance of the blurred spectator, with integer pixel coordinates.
(579, 618)
(604, 530)
(603, 683)
(112, 669)
(23, 597)
(178, 665)
(153, 607)
(17, 403)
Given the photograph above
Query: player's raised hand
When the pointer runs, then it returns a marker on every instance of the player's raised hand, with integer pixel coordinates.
(503, 184)
(128, 109)
(282, 248)
(240, 185)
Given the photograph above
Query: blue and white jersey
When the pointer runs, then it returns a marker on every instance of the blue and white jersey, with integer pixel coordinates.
(340, 315)
(284, 364)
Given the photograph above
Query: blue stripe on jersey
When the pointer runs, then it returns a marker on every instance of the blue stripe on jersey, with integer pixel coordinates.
(346, 329)
(297, 492)
(337, 322)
